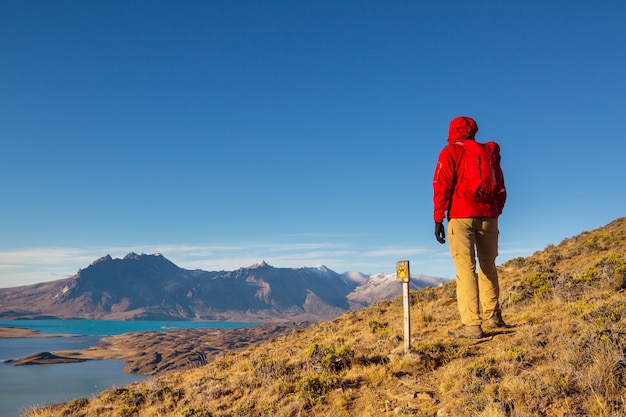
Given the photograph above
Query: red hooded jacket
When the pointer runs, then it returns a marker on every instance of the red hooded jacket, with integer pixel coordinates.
(449, 170)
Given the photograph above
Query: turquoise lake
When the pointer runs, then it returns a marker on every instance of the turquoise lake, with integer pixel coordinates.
(22, 387)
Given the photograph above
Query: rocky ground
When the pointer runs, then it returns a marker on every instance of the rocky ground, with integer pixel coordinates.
(150, 353)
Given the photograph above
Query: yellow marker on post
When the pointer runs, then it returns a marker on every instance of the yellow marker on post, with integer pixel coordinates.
(403, 275)
(402, 271)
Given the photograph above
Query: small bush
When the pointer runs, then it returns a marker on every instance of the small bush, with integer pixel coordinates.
(517, 354)
(424, 316)
(482, 369)
(600, 241)
(587, 276)
(535, 285)
(266, 367)
(315, 388)
(517, 262)
(378, 327)
(608, 273)
(196, 412)
(125, 395)
(128, 411)
(74, 406)
(614, 266)
(331, 359)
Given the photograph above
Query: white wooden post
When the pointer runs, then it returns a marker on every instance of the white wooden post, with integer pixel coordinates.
(403, 275)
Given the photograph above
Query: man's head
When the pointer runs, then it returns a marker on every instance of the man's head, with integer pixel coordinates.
(462, 127)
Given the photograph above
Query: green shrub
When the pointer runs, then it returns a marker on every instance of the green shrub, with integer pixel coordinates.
(74, 406)
(330, 358)
(128, 411)
(535, 285)
(131, 398)
(587, 276)
(315, 388)
(196, 412)
(609, 271)
(517, 354)
(617, 264)
(483, 369)
(267, 367)
(378, 327)
(600, 241)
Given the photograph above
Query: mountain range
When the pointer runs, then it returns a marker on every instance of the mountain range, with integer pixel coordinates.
(150, 287)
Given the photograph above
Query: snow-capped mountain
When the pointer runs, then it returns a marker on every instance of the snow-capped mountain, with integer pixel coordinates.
(150, 287)
(379, 286)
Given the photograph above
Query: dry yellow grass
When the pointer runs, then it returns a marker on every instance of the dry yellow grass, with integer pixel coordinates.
(563, 357)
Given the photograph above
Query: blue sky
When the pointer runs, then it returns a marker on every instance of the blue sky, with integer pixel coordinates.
(224, 133)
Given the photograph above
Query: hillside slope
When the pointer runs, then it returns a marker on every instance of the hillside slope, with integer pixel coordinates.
(563, 355)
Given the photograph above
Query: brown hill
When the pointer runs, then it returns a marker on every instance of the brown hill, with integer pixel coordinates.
(564, 355)
(45, 358)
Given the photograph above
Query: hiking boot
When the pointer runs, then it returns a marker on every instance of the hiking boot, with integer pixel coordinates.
(469, 332)
(497, 322)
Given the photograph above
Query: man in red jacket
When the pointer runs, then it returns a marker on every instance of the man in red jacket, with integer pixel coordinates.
(472, 231)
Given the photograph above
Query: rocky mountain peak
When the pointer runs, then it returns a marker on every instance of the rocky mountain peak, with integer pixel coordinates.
(106, 258)
(260, 265)
(132, 256)
(136, 257)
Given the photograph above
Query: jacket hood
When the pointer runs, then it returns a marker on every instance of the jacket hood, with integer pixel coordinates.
(462, 128)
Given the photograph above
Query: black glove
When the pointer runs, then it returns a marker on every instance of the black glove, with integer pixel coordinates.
(440, 232)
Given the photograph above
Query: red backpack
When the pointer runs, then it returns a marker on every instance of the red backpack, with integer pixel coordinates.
(482, 180)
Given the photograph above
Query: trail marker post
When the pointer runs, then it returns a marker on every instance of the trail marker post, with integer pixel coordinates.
(403, 275)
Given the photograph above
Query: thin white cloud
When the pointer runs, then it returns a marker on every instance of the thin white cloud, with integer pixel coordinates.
(41, 255)
(28, 266)
(394, 251)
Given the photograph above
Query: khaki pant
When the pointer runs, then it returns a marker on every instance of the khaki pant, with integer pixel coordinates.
(468, 238)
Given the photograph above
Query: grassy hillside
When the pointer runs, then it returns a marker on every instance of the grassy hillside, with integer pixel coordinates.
(563, 357)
